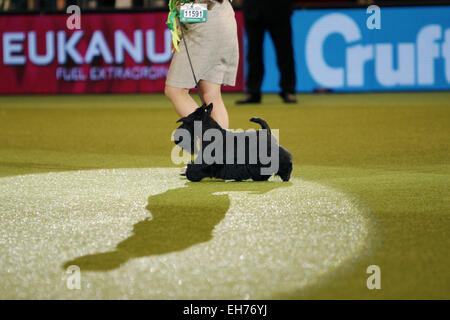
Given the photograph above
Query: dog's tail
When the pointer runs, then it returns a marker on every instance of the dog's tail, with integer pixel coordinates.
(262, 123)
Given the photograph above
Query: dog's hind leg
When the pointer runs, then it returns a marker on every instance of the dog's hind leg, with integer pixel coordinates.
(255, 173)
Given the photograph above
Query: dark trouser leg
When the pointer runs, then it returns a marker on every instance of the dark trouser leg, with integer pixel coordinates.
(281, 33)
(48, 4)
(255, 35)
(19, 5)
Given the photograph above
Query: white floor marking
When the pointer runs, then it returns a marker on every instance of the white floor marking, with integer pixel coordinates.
(266, 244)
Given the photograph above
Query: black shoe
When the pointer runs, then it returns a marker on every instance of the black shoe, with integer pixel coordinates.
(249, 99)
(288, 97)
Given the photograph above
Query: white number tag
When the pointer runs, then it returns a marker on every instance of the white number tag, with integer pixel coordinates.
(193, 12)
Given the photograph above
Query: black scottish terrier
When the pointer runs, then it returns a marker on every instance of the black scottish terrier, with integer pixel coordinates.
(253, 158)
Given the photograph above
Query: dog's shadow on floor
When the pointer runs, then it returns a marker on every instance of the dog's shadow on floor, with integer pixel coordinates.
(181, 218)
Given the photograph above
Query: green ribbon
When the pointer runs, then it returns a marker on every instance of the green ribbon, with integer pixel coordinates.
(172, 23)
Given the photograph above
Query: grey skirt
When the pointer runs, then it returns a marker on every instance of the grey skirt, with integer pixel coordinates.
(213, 47)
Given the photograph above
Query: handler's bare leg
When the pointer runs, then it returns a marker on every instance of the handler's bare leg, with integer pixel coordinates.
(181, 100)
(211, 93)
(183, 104)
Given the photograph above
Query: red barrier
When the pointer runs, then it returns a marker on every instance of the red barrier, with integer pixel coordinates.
(111, 53)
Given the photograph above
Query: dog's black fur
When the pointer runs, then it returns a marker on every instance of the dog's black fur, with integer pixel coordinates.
(238, 172)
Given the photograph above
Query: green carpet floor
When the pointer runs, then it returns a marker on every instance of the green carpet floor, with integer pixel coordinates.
(389, 152)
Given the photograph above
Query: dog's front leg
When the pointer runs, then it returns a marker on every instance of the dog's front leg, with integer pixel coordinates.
(196, 172)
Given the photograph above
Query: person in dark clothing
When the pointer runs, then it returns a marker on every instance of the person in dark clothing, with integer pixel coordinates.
(275, 17)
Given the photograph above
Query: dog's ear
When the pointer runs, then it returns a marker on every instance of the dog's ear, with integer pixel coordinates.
(209, 108)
